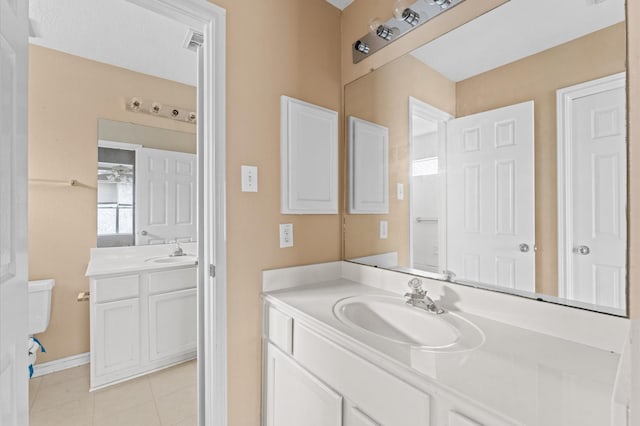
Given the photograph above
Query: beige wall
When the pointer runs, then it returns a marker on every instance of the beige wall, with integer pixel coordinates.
(382, 97)
(281, 47)
(355, 23)
(67, 96)
(633, 80)
(274, 48)
(537, 78)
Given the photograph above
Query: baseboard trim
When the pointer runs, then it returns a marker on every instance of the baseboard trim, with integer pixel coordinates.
(60, 364)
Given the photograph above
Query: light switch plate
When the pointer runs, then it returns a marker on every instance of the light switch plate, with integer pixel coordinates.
(249, 179)
(384, 225)
(286, 235)
(400, 191)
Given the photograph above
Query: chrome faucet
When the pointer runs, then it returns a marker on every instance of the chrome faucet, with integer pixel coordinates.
(178, 251)
(418, 298)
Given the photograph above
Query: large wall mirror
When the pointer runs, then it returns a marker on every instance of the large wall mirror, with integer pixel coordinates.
(502, 146)
(146, 185)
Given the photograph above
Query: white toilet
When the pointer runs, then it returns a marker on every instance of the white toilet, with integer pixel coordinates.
(39, 305)
(39, 315)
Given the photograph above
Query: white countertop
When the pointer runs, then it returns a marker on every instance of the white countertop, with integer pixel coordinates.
(117, 260)
(533, 378)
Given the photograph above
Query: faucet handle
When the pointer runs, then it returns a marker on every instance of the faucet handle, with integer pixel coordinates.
(415, 284)
(417, 292)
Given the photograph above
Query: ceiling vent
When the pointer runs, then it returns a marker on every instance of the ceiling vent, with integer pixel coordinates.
(193, 40)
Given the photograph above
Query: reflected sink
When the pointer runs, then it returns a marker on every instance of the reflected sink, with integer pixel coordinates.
(392, 319)
(174, 259)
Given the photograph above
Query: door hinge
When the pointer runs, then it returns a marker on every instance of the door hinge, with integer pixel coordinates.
(212, 271)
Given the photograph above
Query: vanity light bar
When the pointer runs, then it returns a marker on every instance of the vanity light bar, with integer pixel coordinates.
(161, 110)
(411, 17)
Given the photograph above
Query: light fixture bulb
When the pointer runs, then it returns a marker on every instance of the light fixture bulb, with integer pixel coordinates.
(399, 8)
(374, 24)
(135, 104)
(361, 46)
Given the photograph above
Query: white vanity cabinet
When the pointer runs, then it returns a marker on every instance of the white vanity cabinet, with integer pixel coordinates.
(310, 377)
(141, 322)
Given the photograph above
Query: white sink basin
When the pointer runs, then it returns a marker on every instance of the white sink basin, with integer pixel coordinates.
(186, 259)
(392, 319)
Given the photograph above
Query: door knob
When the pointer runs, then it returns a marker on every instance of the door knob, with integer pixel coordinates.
(583, 250)
(524, 247)
(143, 233)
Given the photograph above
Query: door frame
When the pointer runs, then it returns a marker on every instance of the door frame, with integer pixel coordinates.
(418, 108)
(211, 129)
(564, 105)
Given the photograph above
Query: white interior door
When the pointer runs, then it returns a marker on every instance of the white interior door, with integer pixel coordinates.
(165, 197)
(14, 374)
(596, 192)
(490, 197)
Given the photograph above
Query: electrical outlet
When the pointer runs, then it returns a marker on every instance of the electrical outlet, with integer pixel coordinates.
(400, 191)
(286, 235)
(384, 225)
(249, 179)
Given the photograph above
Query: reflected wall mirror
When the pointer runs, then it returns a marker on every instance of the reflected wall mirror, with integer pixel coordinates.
(506, 156)
(146, 185)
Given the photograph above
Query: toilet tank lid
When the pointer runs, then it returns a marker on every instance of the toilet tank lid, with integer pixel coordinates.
(41, 285)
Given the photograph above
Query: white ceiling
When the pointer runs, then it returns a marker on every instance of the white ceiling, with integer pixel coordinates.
(340, 4)
(517, 29)
(115, 32)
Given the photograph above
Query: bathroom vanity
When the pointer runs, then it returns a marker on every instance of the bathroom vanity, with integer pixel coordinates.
(337, 352)
(143, 311)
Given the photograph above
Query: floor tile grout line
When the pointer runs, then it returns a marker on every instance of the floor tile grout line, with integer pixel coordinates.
(155, 403)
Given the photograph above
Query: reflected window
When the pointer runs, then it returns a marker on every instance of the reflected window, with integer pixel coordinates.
(115, 197)
(425, 167)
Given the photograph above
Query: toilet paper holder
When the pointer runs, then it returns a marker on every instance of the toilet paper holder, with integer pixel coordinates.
(83, 296)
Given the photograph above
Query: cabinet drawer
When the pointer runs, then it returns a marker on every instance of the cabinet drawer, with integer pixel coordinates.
(386, 399)
(117, 288)
(177, 279)
(280, 330)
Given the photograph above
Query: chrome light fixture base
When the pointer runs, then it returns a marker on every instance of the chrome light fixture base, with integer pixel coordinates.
(412, 17)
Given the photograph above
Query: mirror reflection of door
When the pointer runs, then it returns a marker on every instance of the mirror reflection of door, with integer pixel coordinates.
(428, 134)
(146, 185)
(592, 158)
(166, 196)
(490, 198)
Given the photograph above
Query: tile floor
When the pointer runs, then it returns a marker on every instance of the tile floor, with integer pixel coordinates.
(165, 398)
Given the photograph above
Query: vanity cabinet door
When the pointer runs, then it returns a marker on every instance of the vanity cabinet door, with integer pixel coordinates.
(172, 324)
(295, 397)
(117, 336)
(353, 416)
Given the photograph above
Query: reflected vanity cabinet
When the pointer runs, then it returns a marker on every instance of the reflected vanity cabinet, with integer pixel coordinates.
(141, 322)
(310, 379)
